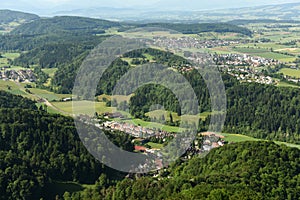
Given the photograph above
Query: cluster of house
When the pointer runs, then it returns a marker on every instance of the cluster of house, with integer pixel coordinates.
(244, 60)
(184, 69)
(248, 75)
(189, 42)
(19, 76)
(292, 79)
(204, 143)
(135, 131)
(210, 141)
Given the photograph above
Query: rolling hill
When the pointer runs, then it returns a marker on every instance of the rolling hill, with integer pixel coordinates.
(64, 24)
(8, 16)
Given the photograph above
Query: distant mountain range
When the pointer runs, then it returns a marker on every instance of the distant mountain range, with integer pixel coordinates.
(289, 11)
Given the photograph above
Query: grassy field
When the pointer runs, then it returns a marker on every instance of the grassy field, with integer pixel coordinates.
(15, 88)
(50, 96)
(277, 56)
(36, 93)
(84, 107)
(290, 72)
(158, 114)
(268, 45)
(288, 144)
(294, 51)
(238, 138)
(4, 60)
(265, 53)
(50, 71)
(155, 145)
(284, 84)
(153, 125)
(11, 56)
(243, 138)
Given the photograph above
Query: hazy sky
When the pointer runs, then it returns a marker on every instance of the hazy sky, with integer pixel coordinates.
(38, 6)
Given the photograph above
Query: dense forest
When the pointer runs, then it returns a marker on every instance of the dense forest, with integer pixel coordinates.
(65, 24)
(249, 170)
(8, 100)
(200, 28)
(37, 149)
(51, 55)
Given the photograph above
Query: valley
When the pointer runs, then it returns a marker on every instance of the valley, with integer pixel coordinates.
(254, 153)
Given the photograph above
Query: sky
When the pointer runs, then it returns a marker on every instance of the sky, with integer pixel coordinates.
(40, 6)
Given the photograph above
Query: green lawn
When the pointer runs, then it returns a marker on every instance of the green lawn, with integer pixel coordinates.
(50, 71)
(238, 138)
(11, 55)
(155, 145)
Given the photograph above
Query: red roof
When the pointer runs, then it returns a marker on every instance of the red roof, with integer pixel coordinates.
(140, 148)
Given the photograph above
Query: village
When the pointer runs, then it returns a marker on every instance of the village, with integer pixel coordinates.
(204, 142)
(190, 42)
(201, 144)
(18, 75)
(244, 60)
(244, 67)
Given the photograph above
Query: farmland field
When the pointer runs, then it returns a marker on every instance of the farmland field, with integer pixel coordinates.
(290, 72)
(265, 53)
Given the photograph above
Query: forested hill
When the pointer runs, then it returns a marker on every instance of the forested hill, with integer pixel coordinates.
(38, 149)
(8, 100)
(8, 16)
(73, 24)
(257, 21)
(40, 152)
(250, 170)
(200, 28)
(64, 24)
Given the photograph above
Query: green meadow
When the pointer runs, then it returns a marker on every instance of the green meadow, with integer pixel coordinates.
(290, 72)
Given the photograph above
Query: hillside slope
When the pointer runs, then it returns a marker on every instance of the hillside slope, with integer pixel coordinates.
(8, 16)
